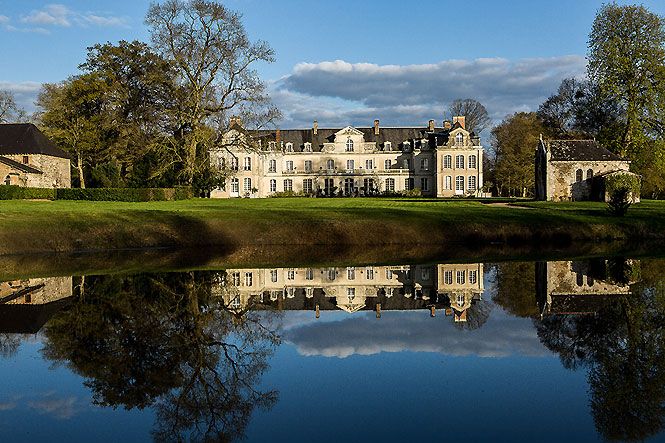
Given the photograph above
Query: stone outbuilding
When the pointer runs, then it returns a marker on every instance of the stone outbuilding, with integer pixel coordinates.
(29, 159)
(574, 170)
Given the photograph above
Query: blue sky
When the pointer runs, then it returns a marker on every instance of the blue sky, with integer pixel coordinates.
(342, 62)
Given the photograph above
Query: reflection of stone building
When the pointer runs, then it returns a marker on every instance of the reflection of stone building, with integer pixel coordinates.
(25, 305)
(576, 287)
(352, 289)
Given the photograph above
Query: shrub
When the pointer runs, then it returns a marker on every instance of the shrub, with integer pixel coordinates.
(20, 193)
(124, 194)
(619, 202)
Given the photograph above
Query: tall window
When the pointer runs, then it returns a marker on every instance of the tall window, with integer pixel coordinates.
(235, 185)
(309, 292)
(247, 165)
(349, 186)
(291, 274)
(307, 185)
(350, 165)
(307, 147)
(369, 164)
(234, 163)
(289, 147)
(330, 165)
(424, 273)
(369, 184)
(448, 182)
(349, 145)
(448, 277)
(424, 184)
(247, 184)
(387, 146)
(387, 164)
(390, 184)
(460, 300)
(459, 139)
(308, 165)
(408, 183)
(459, 161)
(589, 174)
(351, 273)
(288, 185)
(447, 161)
(289, 165)
(461, 277)
(235, 279)
(389, 274)
(351, 293)
(424, 164)
(578, 175)
(26, 159)
(332, 274)
(273, 275)
(273, 185)
(328, 185)
(272, 166)
(309, 274)
(459, 183)
(473, 277)
(8, 180)
(369, 273)
(472, 162)
(471, 183)
(248, 279)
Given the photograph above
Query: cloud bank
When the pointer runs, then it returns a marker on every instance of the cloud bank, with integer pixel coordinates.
(57, 15)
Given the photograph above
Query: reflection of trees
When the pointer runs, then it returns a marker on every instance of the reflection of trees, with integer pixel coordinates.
(623, 346)
(165, 341)
(514, 288)
(476, 315)
(9, 344)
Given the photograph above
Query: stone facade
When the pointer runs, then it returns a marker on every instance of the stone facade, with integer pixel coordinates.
(35, 291)
(440, 162)
(55, 172)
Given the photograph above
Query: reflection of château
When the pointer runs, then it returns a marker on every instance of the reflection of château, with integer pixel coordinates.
(453, 287)
(576, 287)
(25, 305)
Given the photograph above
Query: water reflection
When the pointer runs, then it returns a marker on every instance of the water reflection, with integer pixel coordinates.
(193, 347)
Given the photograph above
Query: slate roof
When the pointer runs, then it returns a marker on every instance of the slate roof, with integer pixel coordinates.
(20, 166)
(580, 150)
(395, 135)
(25, 138)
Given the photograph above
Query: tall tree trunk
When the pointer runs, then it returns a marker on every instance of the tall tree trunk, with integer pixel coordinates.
(79, 167)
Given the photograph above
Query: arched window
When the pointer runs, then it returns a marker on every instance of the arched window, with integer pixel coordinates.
(459, 139)
(589, 174)
(472, 162)
(289, 147)
(308, 147)
(8, 180)
(387, 146)
(407, 146)
(578, 175)
(272, 166)
(235, 185)
(579, 279)
(349, 145)
(460, 300)
(387, 164)
(459, 161)
(447, 161)
(247, 185)
(330, 165)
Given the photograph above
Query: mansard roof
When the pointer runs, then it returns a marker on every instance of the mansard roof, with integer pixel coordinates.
(395, 135)
(25, 138)
(19, 166)
(580, 150)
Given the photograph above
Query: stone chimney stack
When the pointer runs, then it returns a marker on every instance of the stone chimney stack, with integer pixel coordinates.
(315, 127)
(376, 127)
(447, 125)
(278, 136)
(459, 119)
(235, 121)
(430, 126)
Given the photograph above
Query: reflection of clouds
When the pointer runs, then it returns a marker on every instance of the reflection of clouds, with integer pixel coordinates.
(501, 336)
(7, 406)
(61, 408)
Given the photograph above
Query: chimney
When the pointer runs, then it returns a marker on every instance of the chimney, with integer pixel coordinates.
(446, 124)
(376, 127)
(315, 127)
(278, 136)
(459, 119)
(235, 121)
(430, 126)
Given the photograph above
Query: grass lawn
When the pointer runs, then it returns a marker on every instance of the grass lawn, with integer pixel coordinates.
(31, 226)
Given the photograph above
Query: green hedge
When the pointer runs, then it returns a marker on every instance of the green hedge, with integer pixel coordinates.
(97, 194)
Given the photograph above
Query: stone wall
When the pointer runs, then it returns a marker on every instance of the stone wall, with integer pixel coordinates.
(56, 171)
(562, 183)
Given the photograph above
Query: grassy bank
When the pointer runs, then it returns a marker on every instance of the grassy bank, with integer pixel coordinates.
(228, 225)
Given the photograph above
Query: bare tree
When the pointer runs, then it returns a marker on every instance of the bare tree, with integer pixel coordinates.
(477, 118)
(10, 112)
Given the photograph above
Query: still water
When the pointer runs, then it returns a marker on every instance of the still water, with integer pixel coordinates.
(517, 351)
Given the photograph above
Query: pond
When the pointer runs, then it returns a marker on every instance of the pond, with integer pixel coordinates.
(571, 349)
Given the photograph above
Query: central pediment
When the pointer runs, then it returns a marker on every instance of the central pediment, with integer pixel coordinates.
(349, 130)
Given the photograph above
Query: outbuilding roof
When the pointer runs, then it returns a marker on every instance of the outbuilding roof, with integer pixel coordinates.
(19, 166)
(580, 150)
(25, 138)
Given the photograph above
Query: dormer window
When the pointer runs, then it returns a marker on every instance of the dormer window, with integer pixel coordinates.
(407, 146)
(272, 145)
(459, 139)
(388, 146)
(349, 145)
(307, 147)
(289, 147)
(424, 144)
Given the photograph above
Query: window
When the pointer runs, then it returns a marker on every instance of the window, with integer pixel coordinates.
(578, 175)
(247, 165)
(288, 185)
(8, 180)
(309, 274)
(589, 281)
(447, 161)
(461, 277)
(424, 144)
(459, 161)
(235, 185)
(387, 164)
(273, 185)
(473, 277)
(307, 185)
(273, 275)
(406, 164)
(369, 164)
(459, 139)
(235, 279)
(332, 274)
(289, 165)
(307, 147)
(234, 163)
(460, 300)
(408, 183)
(448, 277)
(272, 145)
(247, 185)
(389, 274)
(407, 146)
(329, 186)
(309, 292)
(26, 159)
(472, 162)
(424, 274)
(424, 184)
(390, 184)
(448, 182)
(351, 273)
(390, 292)
(471, 183)
(351, 293)
(387, 146)
(290, 274)
(589, 174)
(349, 186)
(248, 279)
(289, 147)
(308, 165)
(369, 273)
(349, 145)
(350, 165)
(368, 184)
(330, 165)
(424, 164)
(272, 166)
(459, 183)
(579, 279)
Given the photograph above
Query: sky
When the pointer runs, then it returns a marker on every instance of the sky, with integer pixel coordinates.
(342, 62)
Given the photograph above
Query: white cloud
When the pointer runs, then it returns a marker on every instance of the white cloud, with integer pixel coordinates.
(338, 92)
(25, 93)
(61, 15)
(4, 19)
(60, 408)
